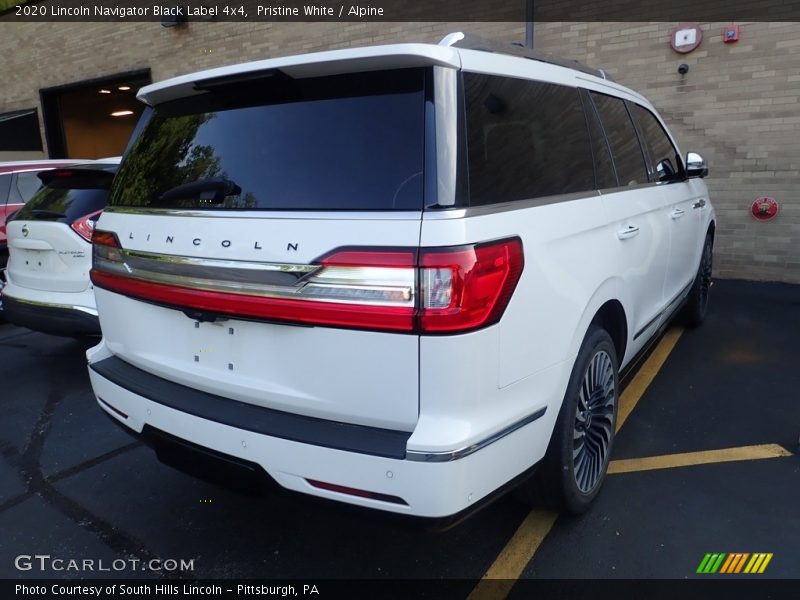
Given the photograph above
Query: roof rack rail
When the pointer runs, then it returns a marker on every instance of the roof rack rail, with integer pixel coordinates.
(470, 41)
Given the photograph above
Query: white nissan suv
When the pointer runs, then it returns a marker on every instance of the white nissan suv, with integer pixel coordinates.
(50, 253)
(404, 277)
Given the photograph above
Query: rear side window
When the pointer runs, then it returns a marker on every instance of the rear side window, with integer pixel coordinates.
(621, 135)
(525, 139)
(665, 164)
(345, 142)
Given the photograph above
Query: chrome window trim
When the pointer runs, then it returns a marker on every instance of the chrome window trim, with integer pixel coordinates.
(421, 456)
(628, 188)
(333, 215)
(445, 93)
(501, 207)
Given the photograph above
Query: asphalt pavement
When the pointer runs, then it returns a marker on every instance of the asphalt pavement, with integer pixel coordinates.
(72, 484)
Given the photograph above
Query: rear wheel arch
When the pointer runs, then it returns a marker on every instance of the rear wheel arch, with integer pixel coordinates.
(606, 308)
(611, 317)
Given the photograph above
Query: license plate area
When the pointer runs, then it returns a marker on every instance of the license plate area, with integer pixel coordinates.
(35, 261)
(212, 345)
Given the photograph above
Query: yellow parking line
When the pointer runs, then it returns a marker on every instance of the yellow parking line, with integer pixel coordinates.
(514, 557)
(687, 459)
(644, 377)
(520, 549)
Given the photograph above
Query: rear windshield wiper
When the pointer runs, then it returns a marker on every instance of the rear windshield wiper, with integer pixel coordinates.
(41, 213)
(213, 190)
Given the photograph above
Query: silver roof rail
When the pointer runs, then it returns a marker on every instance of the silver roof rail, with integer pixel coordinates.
(474, 42)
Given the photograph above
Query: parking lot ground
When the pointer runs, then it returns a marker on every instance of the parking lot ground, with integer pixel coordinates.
(73, 485)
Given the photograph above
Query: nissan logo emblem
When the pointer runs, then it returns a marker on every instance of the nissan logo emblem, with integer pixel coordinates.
(25, 230)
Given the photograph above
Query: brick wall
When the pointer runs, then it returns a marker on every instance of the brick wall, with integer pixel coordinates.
(737, 105)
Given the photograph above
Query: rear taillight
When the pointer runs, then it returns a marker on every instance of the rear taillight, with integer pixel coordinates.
(469, 287)
(84, 226)
(426, 290)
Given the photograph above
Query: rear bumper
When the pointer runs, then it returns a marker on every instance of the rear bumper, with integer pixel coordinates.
(48, 317)
(313, 456)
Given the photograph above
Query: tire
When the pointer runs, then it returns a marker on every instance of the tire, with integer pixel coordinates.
(694, 311)
(573, 470)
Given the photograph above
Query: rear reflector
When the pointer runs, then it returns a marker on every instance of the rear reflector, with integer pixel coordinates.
(331, 487)
(426, 290)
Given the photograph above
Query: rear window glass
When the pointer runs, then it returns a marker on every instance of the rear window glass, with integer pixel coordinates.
(346, 142)
(67, 200)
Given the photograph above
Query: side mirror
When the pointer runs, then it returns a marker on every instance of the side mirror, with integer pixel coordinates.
(696, 165)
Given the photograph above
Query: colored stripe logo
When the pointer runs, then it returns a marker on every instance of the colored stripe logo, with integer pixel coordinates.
(732, 563)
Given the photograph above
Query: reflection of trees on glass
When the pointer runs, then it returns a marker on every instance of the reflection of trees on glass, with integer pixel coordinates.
(164, 157)
(247, 200)
(51, 199)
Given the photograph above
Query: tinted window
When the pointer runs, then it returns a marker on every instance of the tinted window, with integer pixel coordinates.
(5, 186)
(352, 142)
(605, 176)
(68, 198)
(19, 130)
(525, 139)
(27, 185)
(665, 164)
(621, 135)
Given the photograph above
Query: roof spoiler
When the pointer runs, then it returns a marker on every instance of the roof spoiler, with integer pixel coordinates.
(470, 41)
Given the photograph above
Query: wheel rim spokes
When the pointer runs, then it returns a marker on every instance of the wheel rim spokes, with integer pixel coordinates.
(594, 421)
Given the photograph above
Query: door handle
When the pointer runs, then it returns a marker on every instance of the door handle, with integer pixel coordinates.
(677, 213)
(700, 203)
(627, 233)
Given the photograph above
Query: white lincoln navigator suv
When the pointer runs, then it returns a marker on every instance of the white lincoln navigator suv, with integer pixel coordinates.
(404, 277)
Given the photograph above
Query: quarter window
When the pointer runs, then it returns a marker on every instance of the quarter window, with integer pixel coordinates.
(525, 139)
(665, 164)
(621, 134)
(28, 184)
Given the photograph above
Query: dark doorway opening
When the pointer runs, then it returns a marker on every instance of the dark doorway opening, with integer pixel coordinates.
(92, 119)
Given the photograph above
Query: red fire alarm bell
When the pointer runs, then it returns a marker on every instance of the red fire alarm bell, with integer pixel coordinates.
(764, 208)
(730, 34)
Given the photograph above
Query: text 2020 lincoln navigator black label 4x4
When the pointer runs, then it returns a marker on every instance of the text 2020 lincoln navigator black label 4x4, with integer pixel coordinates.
(398, 276)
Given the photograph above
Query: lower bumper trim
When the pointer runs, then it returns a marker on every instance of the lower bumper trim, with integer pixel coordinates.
(363, 439)
(55, 319)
